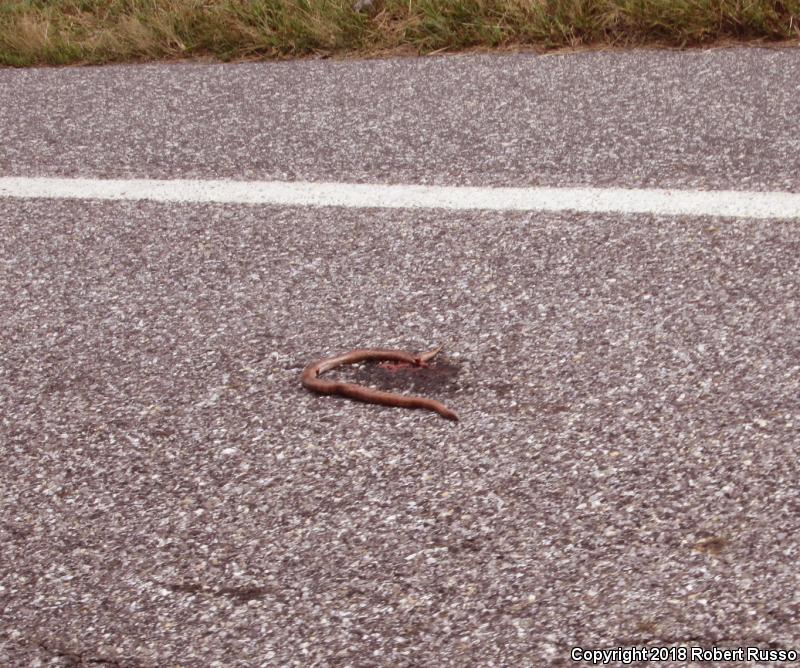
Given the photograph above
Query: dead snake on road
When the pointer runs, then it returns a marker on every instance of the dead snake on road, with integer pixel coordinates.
(311, 380)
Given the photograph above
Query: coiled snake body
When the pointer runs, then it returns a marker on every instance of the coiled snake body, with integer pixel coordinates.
(311, 380)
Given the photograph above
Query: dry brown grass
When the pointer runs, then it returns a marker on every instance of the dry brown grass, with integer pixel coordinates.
(36, 32)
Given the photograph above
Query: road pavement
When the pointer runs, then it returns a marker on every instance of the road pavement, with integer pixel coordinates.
(625, 469)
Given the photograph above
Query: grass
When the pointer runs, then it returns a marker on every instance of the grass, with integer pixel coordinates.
(57, 32)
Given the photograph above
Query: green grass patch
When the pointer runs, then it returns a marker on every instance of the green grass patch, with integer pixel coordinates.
(56, 32)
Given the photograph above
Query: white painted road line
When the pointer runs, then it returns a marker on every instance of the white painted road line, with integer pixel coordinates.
(725, 203)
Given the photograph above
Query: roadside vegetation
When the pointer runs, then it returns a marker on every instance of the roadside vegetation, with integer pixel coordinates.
(57, 32)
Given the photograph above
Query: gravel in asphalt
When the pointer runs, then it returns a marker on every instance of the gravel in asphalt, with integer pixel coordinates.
(624, 472)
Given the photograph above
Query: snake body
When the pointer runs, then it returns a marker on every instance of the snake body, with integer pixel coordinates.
(311, 380)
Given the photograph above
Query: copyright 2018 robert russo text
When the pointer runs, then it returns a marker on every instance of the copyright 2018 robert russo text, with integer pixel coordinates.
(628, 655)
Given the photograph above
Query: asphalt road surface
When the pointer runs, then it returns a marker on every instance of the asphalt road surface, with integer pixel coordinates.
(625, 470)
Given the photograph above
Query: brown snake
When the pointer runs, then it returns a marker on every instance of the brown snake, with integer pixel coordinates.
(311, 380)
